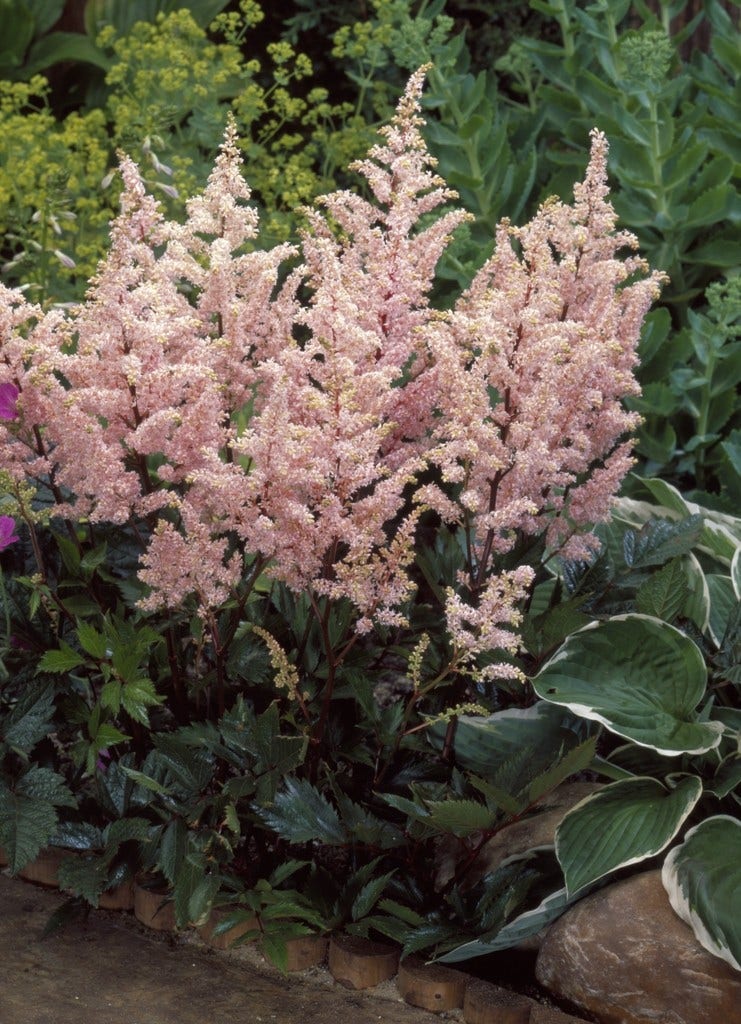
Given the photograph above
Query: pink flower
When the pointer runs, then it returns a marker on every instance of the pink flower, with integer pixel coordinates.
(8, 535)
(8, 398)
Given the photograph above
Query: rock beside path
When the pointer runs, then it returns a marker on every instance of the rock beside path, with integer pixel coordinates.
(624, 956)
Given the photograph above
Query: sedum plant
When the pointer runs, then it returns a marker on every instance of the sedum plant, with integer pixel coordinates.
(278, 527)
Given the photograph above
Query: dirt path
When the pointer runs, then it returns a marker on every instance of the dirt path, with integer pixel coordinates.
(110, 971)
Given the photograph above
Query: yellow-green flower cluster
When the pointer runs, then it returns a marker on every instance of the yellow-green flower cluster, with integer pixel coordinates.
(52, 215)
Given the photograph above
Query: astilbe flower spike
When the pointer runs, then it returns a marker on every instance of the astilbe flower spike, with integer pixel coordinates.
(297, 433)
(550, 326)
(344, 423)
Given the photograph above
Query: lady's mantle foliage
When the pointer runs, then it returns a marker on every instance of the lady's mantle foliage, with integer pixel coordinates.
(194, 394)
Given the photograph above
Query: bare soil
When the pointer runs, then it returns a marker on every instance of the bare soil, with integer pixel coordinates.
(109, 970)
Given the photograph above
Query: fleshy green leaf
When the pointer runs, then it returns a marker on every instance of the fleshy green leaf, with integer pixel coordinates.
(640, 677)
(622, 824)
(703, 879)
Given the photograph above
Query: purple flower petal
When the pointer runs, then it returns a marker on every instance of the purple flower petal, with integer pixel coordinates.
(8, 535)
(8, 398)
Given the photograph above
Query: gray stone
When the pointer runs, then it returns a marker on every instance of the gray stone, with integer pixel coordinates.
(624, 956)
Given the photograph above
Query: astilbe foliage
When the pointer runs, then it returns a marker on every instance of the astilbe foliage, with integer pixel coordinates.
(194, 393)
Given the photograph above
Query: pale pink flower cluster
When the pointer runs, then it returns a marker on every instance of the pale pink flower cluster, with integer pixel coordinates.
(194, 394)
(550, 327)
(490, 624)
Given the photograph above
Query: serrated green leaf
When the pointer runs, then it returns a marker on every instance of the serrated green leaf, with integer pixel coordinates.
(62, 660)
(26, 827)
(369, 895)
(126, 829)
(709, 208)
(45, 784)
(141, 779)
(460, 817)
(702, 877)
(624, 823)
(173, 848)
(660, 540)
(108, 735)
(137, 697)
(497, 798)
(300, 814)
(426, 937)
(84, 876)
(575, 760)
(364, 827)
(664, 594)
(91, 640)
(110, 696)
(401, 911)
(92, 559)
(31, 718)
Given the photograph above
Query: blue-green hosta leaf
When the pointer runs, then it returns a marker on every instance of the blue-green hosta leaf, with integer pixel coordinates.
(640, 677)
(697, 605)
(723, 600)
(485, 744)
(727, 777)
(703, 879)
(622, 824)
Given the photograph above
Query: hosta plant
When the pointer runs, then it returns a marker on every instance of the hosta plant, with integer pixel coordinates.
(652, 657)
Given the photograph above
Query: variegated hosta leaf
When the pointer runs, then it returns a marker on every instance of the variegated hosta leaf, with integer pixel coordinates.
(624, 823)
(640, 677)
(703, 879)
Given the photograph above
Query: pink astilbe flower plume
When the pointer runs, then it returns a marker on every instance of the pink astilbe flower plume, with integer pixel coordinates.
(355, 400)
(194, 396)
(550, 326)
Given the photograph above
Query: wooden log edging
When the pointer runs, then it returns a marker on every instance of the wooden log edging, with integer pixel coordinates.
(354, 963)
